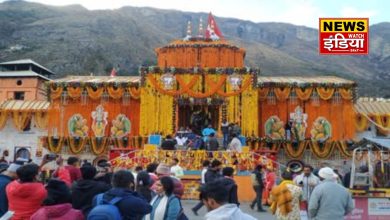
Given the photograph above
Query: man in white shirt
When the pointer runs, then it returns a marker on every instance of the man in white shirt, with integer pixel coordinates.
(235, 144)
(176, 169)
(307, 181)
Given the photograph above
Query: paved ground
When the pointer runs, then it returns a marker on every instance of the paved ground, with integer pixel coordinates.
(188, 204)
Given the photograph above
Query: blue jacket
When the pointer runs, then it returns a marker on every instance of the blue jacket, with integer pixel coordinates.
(173, 210)
(132, 206)
(4, 180)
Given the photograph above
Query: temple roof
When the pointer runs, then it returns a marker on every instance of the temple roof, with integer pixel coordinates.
(371, 106)
(20, 105)
(25, 73)
(200, 42)
(27, 61)
(99, 79)
(303, 81)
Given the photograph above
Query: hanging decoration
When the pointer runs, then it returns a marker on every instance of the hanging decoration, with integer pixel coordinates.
(315, 99)
(115, 92)
(271, 99)
(299, 124)
(322, 129)
(3, 118)
(95, 92)
(325, 92)
(21, 119)
(304, 94)
(99, 145)
(249, 124)
(64, 98)
(74, 92)
(282, 93)
(336, 99)
(274, 128)
(105, 97)
(77, 126)
(99, 122)
(41, 120)
(55, 144)
(55, 91)
(84, 97)
(293, 99)
(126, 98)
(263, 93)
(361, 123)
(121, 126)
(76, 144)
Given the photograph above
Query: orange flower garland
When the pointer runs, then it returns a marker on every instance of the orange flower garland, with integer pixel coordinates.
(55, 148)
(95, 94)
(99, 149)
(263, 93)
(135, 92)
(282, 94)
(74, 92)
(21, 119)
(55, 92)
(346, 93)
(304, 93)
(115, 93)
(76, 149)
(41, 120)
(298, 153)
(322, 153)
(325, 93)
(361, 123)
(3, 118)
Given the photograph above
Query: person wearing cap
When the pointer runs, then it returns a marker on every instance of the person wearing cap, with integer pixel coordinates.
(7, 174)
(329, 200)
(165, 170)
(57, 203)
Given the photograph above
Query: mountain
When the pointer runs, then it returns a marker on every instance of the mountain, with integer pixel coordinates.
(74, 40)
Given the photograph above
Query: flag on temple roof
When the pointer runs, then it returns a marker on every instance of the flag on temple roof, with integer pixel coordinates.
(113, 72)
(212, 30)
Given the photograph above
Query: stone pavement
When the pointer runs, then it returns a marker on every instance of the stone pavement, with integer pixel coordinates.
(188, 204)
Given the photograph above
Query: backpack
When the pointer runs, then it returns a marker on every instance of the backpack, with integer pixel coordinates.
(181, 215)
(104, 210)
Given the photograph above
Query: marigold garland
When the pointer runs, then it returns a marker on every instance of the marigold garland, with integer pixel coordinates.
(325, 93)
(282, 94)
(324, 153)
(298, 153)
(55, 91)
(99, 149)
(3, 118)
(95, 94)
(21, 119)
(346, 93)
(115, 93)
(55, 148)
(73, 147)
(74, 92)
(304, 94)
(263, 93)
(135, 92)
(41, 120)
(361, 123)
(250, 112)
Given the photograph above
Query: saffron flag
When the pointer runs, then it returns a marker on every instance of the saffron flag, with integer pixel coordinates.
(113, 72)
(212, 30)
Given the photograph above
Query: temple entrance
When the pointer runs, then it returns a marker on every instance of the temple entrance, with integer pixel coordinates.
(198, 117)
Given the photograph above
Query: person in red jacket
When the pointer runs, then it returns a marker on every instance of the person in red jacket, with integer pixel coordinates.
(74, 168)
(25, 195)
(57, 204)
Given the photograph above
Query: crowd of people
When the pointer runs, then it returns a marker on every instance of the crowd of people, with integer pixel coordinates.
(207, 140)
(317, 196)
(80, 190)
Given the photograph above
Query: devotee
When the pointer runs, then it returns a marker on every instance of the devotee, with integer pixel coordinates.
(104, 172)
(151, 169)
(166, 205)
(235, 144)
(131, 205)
(57, 203)
(207, 131)
(225, 132)
(307, 181)
(143, 184)
(215, 197)
(329, 200)
(205, 165)
(7, 174)
(258, 186)
(214, 172)
(270, 179)
(73, 168)
(84, 190)
(230, 185)
(176, 169)
(25, 195)
(164, 170)
(212, 143)
(168, 143)
(285, 199)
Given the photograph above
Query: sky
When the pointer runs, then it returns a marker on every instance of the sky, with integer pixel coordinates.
(298, 12)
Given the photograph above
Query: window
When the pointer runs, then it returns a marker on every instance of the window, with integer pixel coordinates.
(19, 82)
(19, 95)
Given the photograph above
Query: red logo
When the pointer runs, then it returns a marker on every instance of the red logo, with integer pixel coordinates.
(343, 36)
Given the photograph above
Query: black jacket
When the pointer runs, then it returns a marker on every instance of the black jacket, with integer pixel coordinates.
(83, 191)
(168, 144)
(232, 188)
(211, 175)
(132, 206)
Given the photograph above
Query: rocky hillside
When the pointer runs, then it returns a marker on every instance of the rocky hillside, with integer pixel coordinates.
(74, 40)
